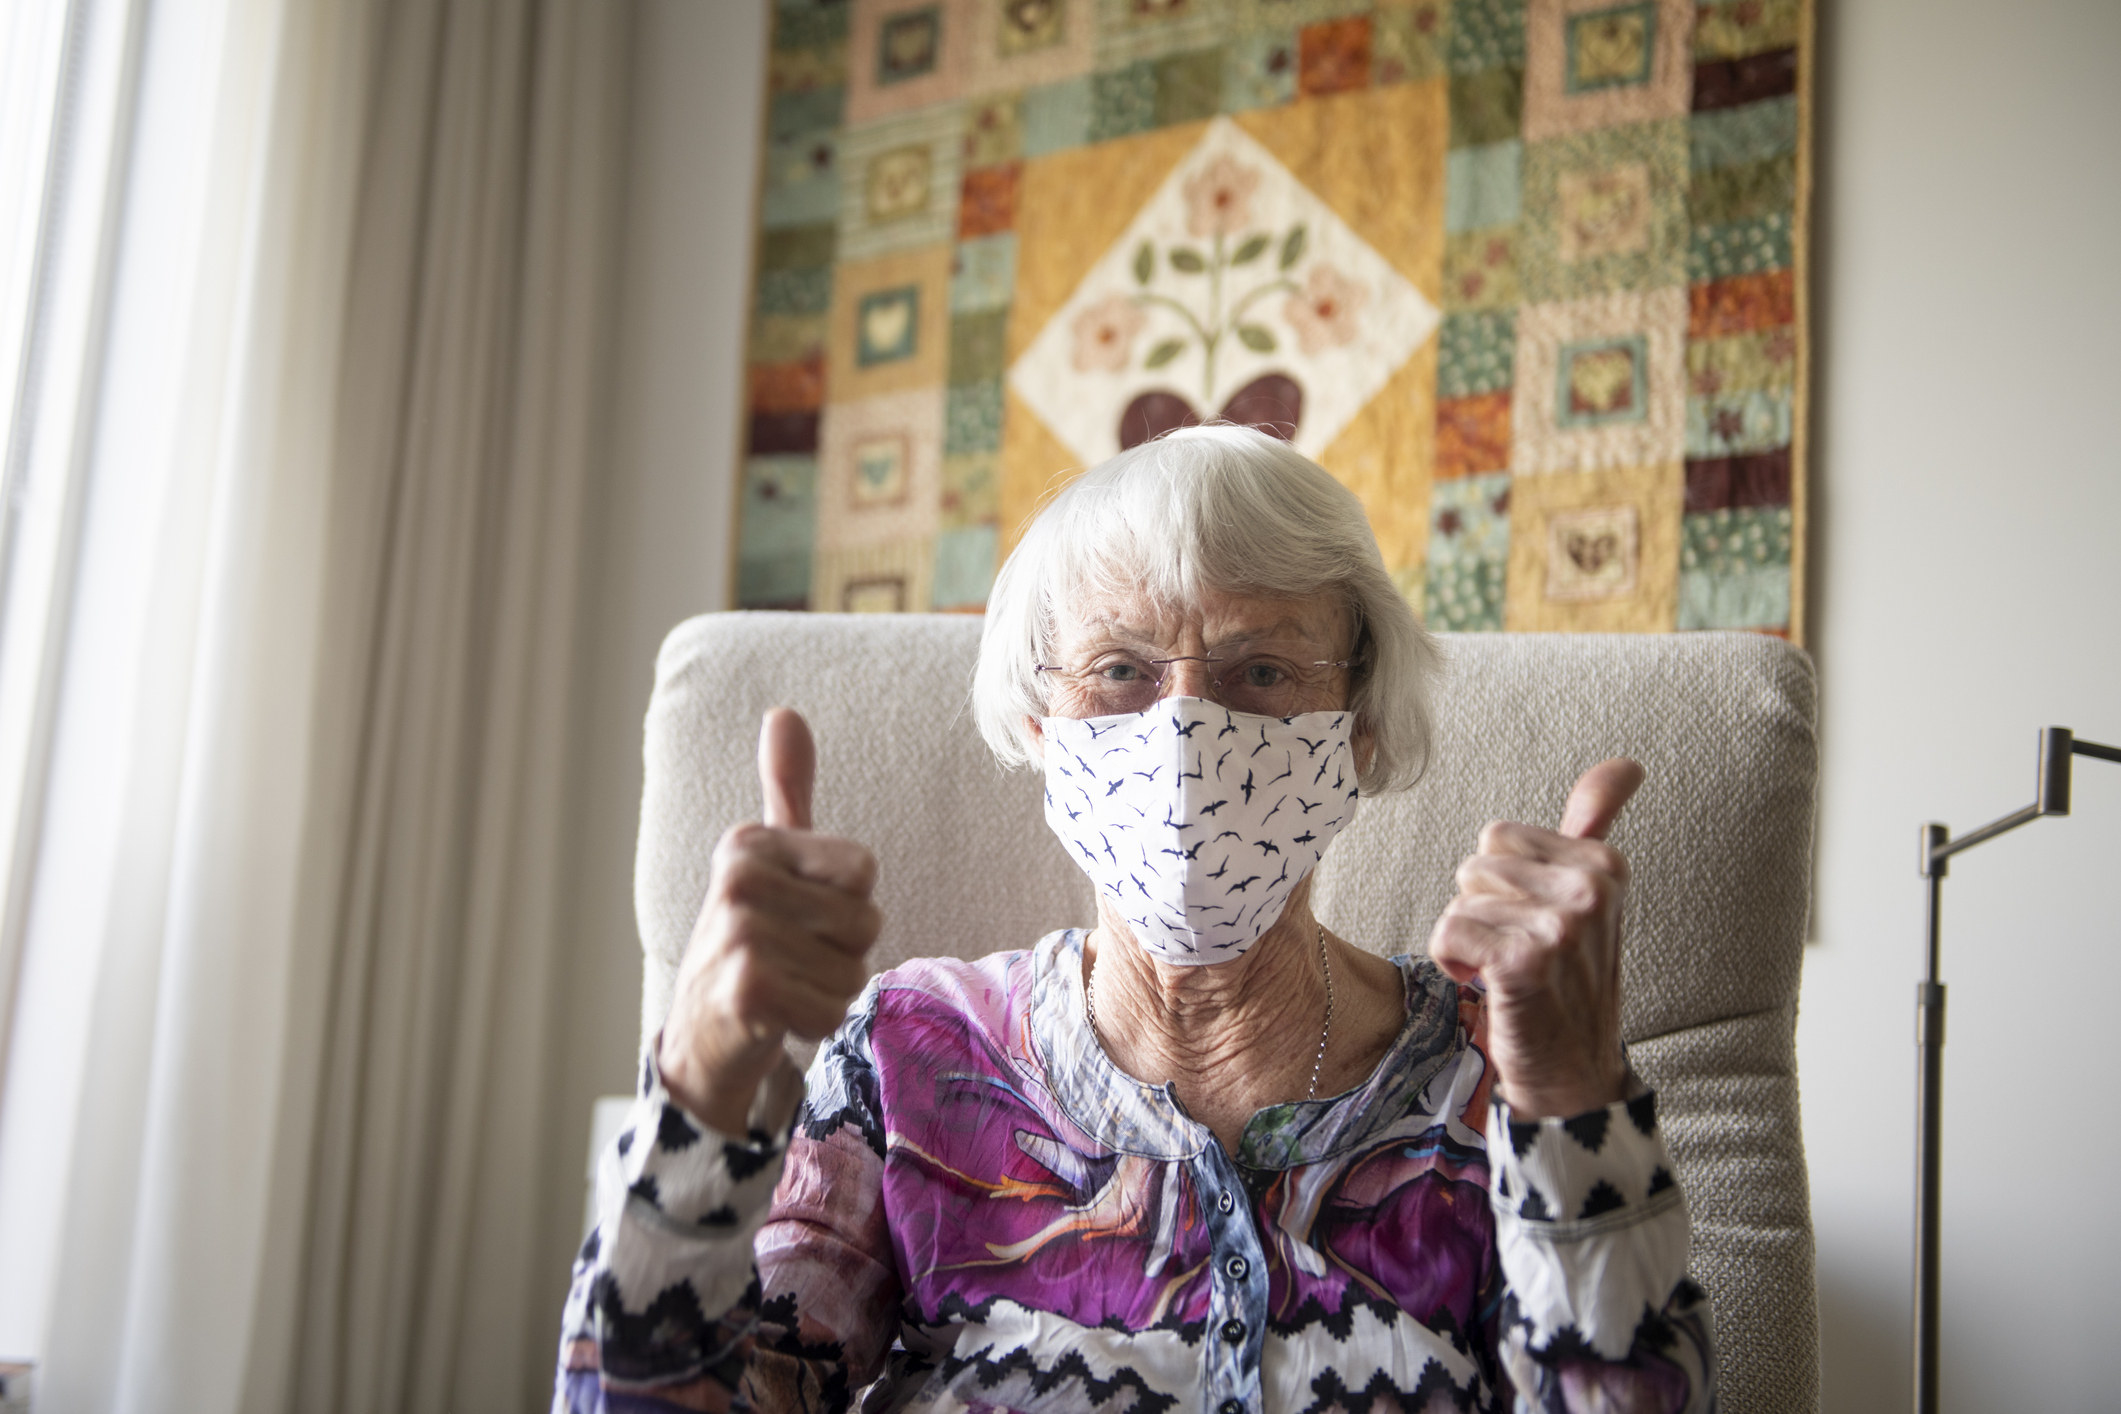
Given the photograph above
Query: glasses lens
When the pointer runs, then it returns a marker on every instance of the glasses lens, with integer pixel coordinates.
(1274, 679)
(1269, 683)
(1119, 682)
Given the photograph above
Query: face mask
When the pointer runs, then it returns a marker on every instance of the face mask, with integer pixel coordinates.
(1196, 823)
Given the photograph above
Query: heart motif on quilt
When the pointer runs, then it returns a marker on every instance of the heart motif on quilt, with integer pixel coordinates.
(1272, 402)
(1592, 553)
(884, 324)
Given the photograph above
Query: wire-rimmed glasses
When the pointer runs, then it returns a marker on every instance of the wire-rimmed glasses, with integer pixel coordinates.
(1269, 679)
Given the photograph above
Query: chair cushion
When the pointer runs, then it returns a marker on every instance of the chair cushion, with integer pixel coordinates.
(1719, 839)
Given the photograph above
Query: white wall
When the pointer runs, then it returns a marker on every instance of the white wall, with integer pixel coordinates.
(1967, 575)
(1968, 579)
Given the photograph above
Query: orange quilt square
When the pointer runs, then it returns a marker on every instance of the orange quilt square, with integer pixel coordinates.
(987, 204)
(1741, 304)
(1473, 434)
(788, 387)
(1334, 56)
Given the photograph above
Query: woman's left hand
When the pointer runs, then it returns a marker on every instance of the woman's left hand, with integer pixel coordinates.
(1537, 919)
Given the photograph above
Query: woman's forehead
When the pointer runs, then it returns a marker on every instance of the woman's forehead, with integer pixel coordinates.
(1214, 615)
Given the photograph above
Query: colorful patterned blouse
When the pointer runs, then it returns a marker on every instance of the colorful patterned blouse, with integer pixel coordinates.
(974, 1209)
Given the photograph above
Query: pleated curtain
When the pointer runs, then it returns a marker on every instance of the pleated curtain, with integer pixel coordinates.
(302, 1153)
(478, 302)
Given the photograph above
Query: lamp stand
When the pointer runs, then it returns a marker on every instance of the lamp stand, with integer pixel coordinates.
(2051, 797)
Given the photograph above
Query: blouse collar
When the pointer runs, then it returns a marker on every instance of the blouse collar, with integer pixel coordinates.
(1135, 1117)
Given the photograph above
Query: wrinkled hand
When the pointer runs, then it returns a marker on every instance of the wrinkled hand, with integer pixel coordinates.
(1537, 919)
(779, 943)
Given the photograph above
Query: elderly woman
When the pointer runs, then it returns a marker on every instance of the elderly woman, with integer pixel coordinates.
(1206, 1155)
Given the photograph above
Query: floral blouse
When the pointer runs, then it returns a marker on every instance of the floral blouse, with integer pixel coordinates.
(974, 1209)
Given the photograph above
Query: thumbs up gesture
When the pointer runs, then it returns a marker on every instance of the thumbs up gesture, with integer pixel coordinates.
(779, 943)
(1537, 919)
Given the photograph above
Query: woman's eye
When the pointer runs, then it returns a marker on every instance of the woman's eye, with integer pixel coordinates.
(1121, 672)
(1262, 674)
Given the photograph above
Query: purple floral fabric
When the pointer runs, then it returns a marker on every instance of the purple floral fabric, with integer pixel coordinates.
(973, 1209)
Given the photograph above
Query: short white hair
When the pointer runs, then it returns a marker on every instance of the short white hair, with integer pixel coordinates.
(1223, 509)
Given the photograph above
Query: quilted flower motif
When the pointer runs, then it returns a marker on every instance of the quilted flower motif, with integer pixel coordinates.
(1324, 312)
(1219, 197)
(1104, 335)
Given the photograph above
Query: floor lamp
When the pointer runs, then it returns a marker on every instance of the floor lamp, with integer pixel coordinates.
(2051, 797)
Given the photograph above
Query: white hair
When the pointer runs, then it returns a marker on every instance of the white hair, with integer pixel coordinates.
(1223, 509)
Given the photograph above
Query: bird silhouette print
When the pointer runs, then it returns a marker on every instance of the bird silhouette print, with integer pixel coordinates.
(1159, 844)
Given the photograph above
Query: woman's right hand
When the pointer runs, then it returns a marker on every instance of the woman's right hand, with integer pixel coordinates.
(779, 945)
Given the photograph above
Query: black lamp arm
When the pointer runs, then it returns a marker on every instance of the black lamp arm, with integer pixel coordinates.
(2050, 797)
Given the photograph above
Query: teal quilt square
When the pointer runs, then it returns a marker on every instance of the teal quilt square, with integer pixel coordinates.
(1737, 424)
(1123, 102)
(1469, 553)
(795, 291)
(1465, 596)
(972, 418)
(964, 566)
(1734, 569)
(1742, 248)
(1259, 70)
(790, 115)
(983, 275)
(1486, 34)
(1475, 351)
(810, 26)
(1482, 186)
(1746, 598)
(1750, 132)
(1056, 116)
(1469, 519)
(801, 183)
(779, 520)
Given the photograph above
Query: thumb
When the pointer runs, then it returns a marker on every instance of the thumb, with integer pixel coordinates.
(1595, 802)
(787, 768)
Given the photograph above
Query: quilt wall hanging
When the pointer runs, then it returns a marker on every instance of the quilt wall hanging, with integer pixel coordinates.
(1526, 275)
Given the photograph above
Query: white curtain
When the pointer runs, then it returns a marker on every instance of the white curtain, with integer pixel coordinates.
(273, 1131)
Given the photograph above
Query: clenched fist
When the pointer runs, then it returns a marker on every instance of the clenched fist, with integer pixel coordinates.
(779, 943)
(1537, 919)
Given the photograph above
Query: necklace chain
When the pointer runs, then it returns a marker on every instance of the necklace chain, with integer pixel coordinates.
(1318, 1061)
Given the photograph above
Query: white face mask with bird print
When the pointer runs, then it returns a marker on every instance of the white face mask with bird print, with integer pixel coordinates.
(1195, 822)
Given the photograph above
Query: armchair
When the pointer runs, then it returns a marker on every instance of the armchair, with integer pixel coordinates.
(1719, 838)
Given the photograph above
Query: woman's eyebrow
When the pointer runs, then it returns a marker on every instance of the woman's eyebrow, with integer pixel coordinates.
(1112, 627)
(1281, 628)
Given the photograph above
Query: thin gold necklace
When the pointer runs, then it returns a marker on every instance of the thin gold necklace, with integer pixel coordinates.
(1325, 967)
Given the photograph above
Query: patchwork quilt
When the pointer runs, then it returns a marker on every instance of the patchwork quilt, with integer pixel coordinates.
(1526, 275)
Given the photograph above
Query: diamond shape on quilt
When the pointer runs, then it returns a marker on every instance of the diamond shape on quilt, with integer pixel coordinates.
(1233, 287)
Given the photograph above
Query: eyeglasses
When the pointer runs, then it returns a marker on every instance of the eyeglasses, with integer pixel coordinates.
(1268, 679)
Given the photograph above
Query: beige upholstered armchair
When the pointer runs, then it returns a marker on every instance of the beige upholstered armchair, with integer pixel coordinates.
(1720, 840)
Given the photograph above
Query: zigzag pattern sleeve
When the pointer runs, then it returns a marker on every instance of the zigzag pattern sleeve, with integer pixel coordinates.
(1591, 1227)
(693, 1292)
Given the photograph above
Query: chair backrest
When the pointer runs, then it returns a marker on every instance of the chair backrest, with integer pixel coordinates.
(1719, 837)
